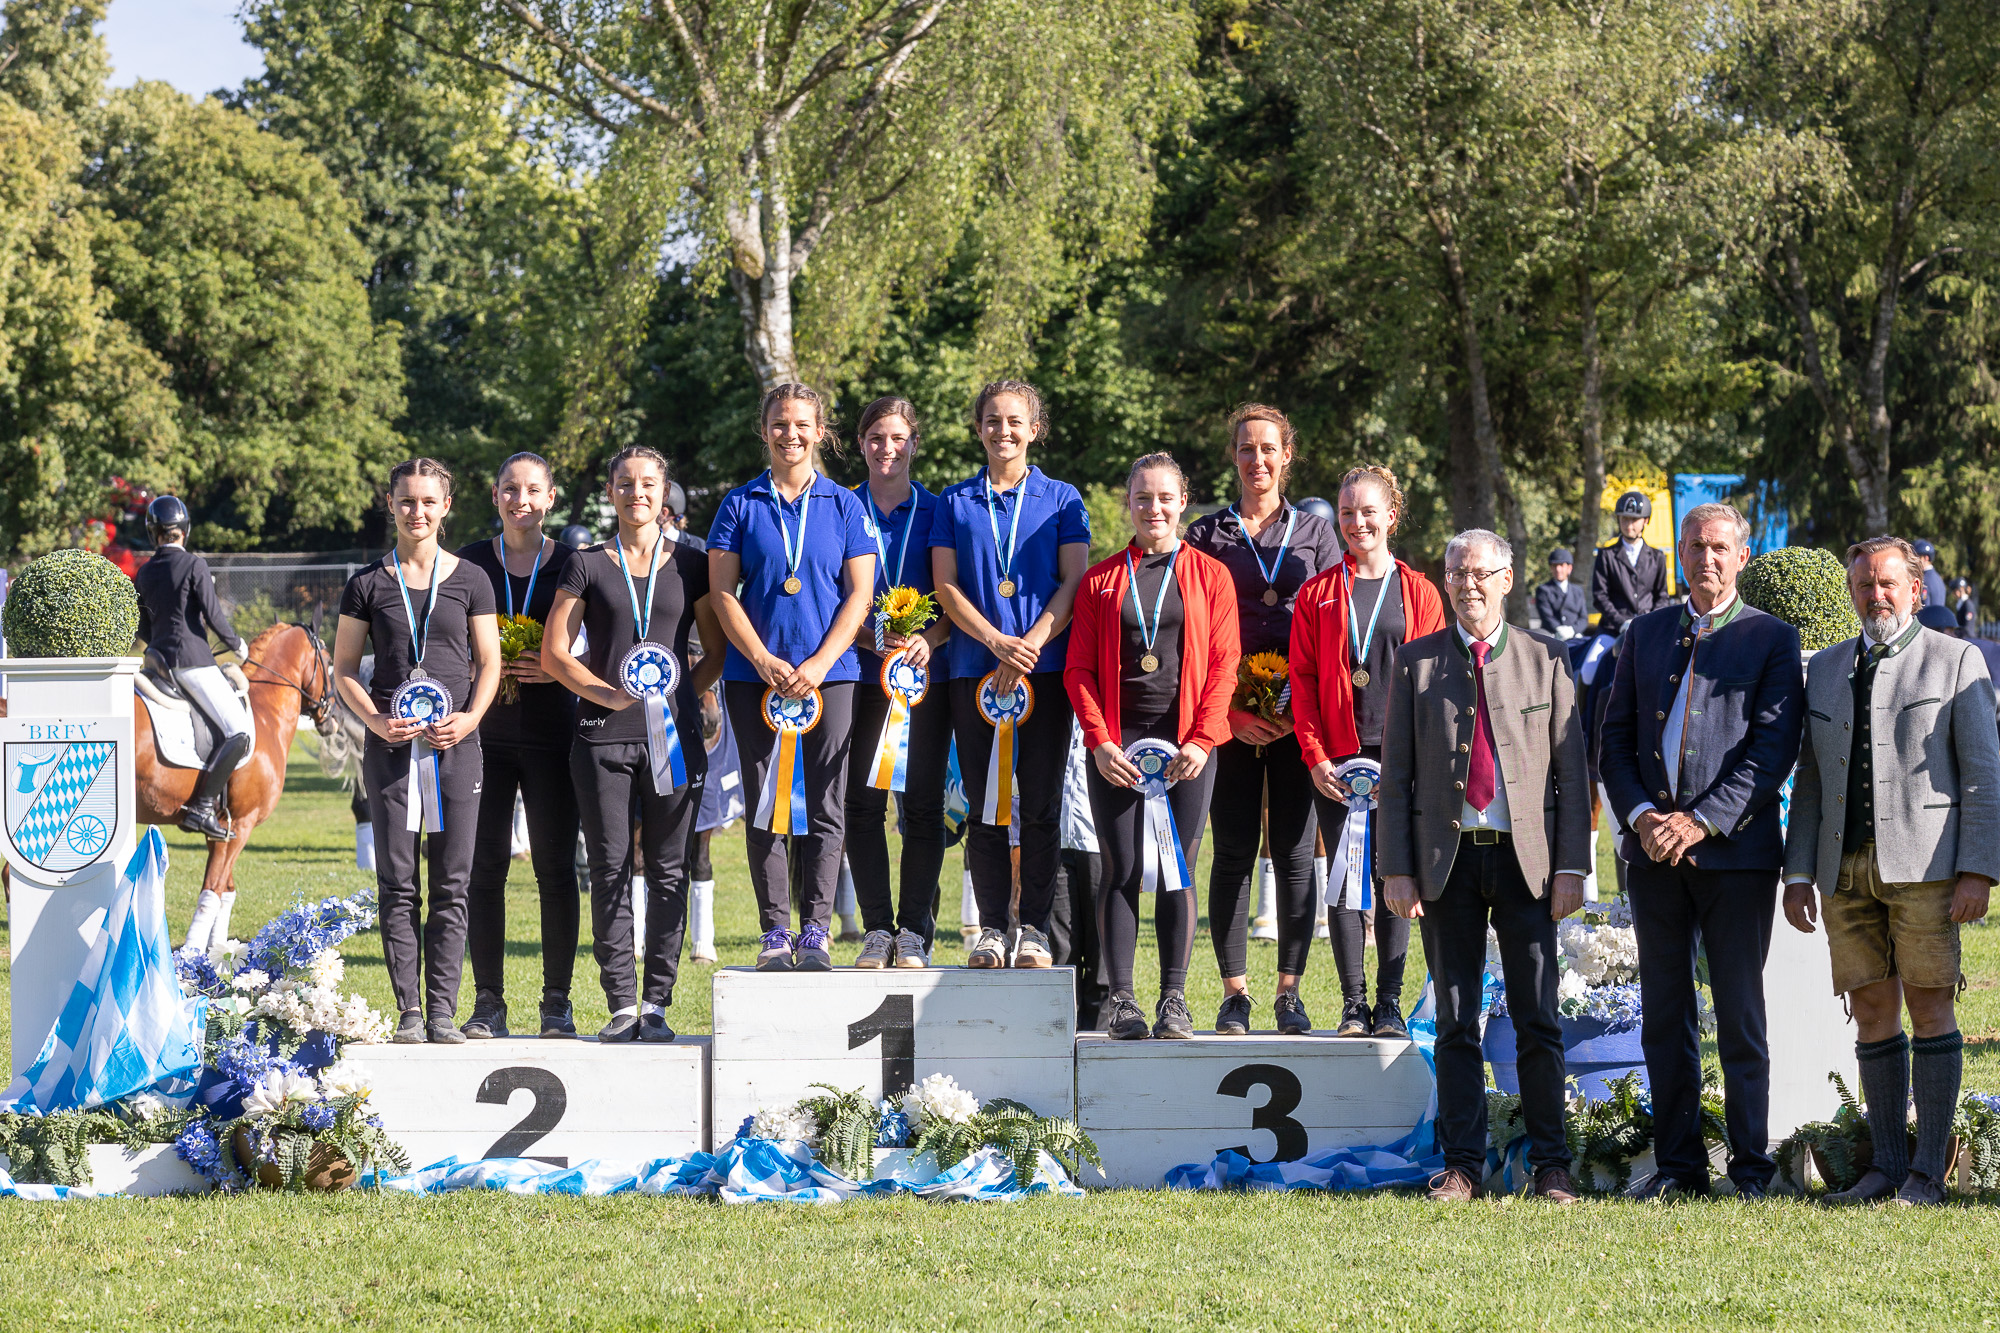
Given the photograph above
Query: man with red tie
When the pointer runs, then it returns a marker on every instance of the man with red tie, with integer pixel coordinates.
(1485, 819)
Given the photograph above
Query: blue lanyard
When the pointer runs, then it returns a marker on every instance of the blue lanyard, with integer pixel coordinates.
(1006, 557)
(877, 521)
(1353, 631)
(1147, 635)
(1270, 574)
(507, 580)
(642, 621)
(417, 645)
(792, 559)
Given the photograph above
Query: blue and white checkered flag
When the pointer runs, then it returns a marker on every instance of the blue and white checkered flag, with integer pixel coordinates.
(127, 1024)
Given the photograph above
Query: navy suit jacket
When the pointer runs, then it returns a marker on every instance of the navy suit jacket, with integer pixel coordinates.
(1747, 701)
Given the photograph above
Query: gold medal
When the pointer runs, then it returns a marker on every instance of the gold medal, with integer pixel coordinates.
(1360, 677)
(1006, 587)
(1270, 596)
(1148, 662)
(792, 584)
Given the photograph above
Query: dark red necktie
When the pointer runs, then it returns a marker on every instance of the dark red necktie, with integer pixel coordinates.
(1479, 777)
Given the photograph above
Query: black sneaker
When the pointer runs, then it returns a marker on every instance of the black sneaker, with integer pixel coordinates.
(410, 1031)
(653, 1027)
(444, 1032)
(1233, 1019)
(622, 1027)
(1389, 1022)
(558, 1020)
(489, 1018)
(1172, 1021)
(1293, 1021)
(1125, 1022)
(1356, 1019)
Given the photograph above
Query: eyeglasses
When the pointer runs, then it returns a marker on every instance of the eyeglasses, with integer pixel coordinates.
(1461, 577)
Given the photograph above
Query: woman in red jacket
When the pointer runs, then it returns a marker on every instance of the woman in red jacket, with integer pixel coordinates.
(1152, 665)
(1347, 625)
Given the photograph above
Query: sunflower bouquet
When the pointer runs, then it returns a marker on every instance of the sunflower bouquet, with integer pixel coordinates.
(518, 634)
(904, 611)
(1263, 685)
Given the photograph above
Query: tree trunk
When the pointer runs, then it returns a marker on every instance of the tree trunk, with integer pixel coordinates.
(1832, 396)
(1591, 444)
(1485, 438)
(760, 274)
(1875, 372)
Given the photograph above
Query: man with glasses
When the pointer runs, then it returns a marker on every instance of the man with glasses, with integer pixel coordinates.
(1707, 707)
(1485, 819)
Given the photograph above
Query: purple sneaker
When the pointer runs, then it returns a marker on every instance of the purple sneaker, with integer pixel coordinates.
(812, 954)
(775, 951)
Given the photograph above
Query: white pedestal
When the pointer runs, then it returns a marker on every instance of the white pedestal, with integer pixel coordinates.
(1809, 1032)
(559, 1102)
(157, 1169)
(1001, 1033)
(1151, 1105)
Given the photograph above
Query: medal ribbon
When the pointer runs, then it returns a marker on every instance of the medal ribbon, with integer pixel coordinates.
(1005, 557)
(792, 559)
(1350, 880)
(1148, 635)
(507, 580)
(1277, 563)
(890, 770)
(663, 738)
(1164, 864)
(1354, 634)
(418, 646)
(424, 802)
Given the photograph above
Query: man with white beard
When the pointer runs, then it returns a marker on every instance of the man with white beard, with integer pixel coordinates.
(1896, 819)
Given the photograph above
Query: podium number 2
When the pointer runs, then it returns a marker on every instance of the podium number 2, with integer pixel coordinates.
(1274, 1113)
(551, 1100)
(895, 1022)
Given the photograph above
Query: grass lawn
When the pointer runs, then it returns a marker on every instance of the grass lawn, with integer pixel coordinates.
(1126, 1258)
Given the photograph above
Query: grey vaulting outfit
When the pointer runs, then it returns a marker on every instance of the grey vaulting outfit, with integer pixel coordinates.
(1484, 801)
(1898, 794)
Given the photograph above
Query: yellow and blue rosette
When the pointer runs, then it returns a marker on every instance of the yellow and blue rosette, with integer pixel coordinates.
(651, 673)
(781, 807)
(1350, 872)
(905, 683)
(1006, 712)
(1165, 868)
(421, 699)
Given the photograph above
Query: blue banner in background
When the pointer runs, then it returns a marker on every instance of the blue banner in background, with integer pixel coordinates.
(1770, 521)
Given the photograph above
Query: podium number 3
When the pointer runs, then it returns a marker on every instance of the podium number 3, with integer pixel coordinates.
(895, 1022)
(551, 1100)
(1274, 1114)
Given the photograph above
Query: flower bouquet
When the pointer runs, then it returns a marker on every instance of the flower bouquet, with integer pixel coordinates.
(1263, 686)
(518, 634)
(903, 611)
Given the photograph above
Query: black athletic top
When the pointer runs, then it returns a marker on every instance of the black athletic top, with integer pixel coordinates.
(545, 717)
(1315, 545)
(177, 608)
(373, 596)
(1371, 701)
(596, 577)
(1144, 697)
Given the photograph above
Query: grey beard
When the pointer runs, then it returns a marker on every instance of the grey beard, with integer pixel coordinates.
(1884, 627)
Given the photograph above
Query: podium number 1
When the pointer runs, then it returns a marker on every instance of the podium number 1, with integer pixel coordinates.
(895, 1022)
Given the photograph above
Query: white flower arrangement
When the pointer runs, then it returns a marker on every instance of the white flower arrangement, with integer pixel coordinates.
(250, 981)
(276, 1089)
(1603, 954)
(304, 1007)
(326, 969)
(783, 1123)
(939, 1098)
(146, 1105)
(346, 1079)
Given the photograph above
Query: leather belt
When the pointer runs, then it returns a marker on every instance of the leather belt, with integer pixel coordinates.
(1486, 837)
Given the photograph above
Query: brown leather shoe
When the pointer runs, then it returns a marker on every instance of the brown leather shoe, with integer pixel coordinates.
(1452, 1186)
(1553, 1183)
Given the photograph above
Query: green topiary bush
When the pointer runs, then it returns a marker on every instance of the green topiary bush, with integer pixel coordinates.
(1807, 589)
(71, 604)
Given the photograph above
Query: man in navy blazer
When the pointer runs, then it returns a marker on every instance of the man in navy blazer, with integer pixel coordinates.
(1706, 714)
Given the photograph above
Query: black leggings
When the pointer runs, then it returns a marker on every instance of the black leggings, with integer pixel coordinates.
(1344, 926)
(1120, 817)
(1245, 782)
(818, 850)
(1043, 754)
(867, 810)
(614, 787)
(425, 952)
(549, 798)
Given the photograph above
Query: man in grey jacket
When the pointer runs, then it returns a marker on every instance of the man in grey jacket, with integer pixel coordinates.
(1896, 819)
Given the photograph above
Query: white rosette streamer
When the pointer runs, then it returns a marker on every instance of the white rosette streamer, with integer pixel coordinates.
(1164, 867)
(1350, 878)
(650, 673)
(424, 700)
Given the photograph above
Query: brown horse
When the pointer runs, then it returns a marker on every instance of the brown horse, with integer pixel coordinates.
(289, 673)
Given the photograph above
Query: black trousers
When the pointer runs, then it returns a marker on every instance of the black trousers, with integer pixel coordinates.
(1043, 754)
(1073, 940)
(1729, 913)
(1120, 816)
(424, 952)
(1246, 782)
(818, 849)
(614, 788)
(1348, 937)
(1485, 886)
(867, 809)
(549, 798)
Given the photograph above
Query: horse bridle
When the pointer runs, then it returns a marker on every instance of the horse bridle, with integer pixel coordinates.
(318, 709)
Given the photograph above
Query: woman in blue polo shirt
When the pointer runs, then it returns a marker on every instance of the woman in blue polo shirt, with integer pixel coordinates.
(800, 548)
(899, 514)
(1008, 550)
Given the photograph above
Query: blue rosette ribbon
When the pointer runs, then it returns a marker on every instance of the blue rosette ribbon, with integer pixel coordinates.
(1006, 712)
(781, 806)
(1165, 867)
(424, 700)
(1350, 871)
(905, 683)
(651, 673)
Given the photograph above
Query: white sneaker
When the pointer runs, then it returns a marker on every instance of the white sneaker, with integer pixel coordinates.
(1033, 949)
(910, 950)
(875, 947)
(991, 951)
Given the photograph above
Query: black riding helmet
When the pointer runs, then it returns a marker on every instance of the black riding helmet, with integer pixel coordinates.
(166, 514)
(1634, 504)
(576, 537)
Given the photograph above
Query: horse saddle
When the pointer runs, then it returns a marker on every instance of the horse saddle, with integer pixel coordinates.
(183, 737)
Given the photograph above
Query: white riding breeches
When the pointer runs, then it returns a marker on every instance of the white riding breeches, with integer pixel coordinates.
(210, 691)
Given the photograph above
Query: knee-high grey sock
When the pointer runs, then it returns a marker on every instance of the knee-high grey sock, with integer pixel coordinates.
(1937, 1067)
(1885, 1086)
